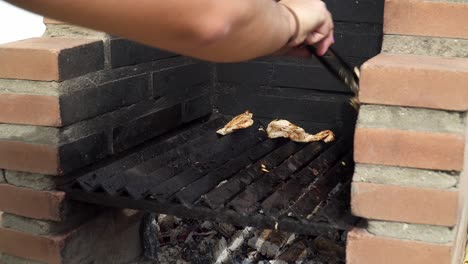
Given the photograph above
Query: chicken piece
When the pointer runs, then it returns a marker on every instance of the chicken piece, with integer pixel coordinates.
(286, 129)
(239, 122)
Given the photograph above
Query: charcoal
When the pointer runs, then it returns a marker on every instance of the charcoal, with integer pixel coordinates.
(149, 236)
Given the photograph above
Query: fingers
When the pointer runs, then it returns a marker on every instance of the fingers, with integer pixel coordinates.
(321, 32)
(315, 24)
(324, 44)
(314, 38)
(322, 38)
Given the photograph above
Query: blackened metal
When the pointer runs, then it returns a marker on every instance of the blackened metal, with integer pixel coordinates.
(319, 189)
(248, 200)
(219, 196)
(242, 178)
(278, 202)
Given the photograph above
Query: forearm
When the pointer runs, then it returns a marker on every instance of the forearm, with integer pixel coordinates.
(228, 30)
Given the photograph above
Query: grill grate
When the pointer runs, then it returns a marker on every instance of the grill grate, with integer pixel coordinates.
(243, 178)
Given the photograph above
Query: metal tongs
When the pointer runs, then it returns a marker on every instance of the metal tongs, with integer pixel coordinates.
(334, 63)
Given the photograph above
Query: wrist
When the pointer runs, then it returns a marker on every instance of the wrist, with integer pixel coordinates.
(292, 21)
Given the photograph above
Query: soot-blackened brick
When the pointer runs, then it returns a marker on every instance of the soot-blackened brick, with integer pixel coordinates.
(125, 52)
(196, 107)
(146, 127)
(85, 59)
(317, 78)
(365, 11)
(83, 152)
(248, 73)
(323, 108)
(106, 98)
(170, 80)
(358, 39)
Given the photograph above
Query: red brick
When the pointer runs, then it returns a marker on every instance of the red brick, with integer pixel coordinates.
(39, 248)
(22, 156)
(439, 151)
(50, 59)
(365, 248)
(420, 81)
(404, 204)
(40, 110)
(31, 203)
(426, 18)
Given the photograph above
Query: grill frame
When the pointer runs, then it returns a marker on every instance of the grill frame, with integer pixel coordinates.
(331, 212)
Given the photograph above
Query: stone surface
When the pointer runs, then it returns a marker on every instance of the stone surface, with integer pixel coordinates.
(426, 46)
(423, 233)
(31, 180)
(416, 81)
(426, 18)
(404, 204)
(50, 59)
(405, 176)
(60, 29)
(30, 134)
(364, 248)
(14, 86)
(414, 119)
(42, 227)
(395, 147)
(8, 259)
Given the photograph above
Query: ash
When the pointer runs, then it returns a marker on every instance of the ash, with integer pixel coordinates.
(181, 241)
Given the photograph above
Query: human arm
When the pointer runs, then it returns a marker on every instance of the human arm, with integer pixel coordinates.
(215, 30)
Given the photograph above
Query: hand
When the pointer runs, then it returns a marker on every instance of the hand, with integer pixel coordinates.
(313, 23)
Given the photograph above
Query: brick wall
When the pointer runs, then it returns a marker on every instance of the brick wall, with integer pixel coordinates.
(410, 140)
(75, 97)
(69, 99)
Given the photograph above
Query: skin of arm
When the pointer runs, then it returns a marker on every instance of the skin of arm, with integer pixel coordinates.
(213, 30)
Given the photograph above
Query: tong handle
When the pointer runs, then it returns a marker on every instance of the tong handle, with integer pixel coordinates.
(335, 64)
